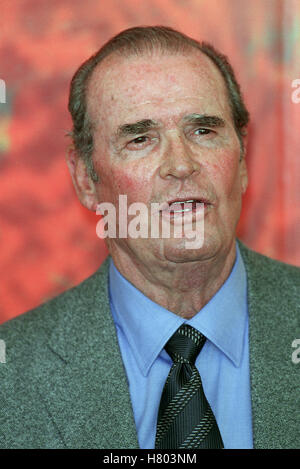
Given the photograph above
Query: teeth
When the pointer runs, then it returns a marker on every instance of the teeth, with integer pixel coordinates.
(183, 202)
(183, 210)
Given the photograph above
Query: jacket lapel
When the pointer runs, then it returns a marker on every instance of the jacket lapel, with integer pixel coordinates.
(271, 331)
(88, 396)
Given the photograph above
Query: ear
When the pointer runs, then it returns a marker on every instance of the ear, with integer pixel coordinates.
(243, 166)
(83, 183)
(244, 138)
(243, 175)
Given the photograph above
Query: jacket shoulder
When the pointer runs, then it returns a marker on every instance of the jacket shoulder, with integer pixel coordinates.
(37, 324)
(269, 271)
(273, 290)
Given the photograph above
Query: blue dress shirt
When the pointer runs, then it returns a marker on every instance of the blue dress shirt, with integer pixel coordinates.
(143, 328)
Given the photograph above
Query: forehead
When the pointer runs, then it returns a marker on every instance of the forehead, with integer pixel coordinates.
(160, 86)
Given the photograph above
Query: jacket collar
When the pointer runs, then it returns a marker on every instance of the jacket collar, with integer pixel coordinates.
(87, 395)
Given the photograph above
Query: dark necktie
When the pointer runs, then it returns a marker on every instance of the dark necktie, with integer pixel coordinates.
(185, 419)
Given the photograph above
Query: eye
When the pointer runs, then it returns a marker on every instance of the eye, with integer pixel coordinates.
(139, 140)
(139, 143)
(202, 131)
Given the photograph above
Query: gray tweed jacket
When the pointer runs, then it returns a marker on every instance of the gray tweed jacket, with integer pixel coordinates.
(64, 385)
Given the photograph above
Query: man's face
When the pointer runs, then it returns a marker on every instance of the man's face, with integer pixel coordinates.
(163, 132)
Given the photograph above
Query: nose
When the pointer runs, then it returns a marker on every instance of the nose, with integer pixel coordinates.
(178, 160)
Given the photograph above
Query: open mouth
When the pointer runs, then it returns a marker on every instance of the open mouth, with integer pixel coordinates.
(189, 205)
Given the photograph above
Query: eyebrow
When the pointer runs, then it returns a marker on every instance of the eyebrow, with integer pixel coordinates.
(204, 119)
(137, 127)
(147, 124)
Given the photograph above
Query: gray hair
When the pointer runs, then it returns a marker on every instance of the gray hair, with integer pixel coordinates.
(138, 41)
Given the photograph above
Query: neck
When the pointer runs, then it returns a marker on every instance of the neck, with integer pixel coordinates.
(182, 288)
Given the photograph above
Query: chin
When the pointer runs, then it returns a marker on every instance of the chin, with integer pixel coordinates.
(182, 250)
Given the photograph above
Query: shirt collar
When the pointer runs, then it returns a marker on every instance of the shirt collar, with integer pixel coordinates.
(147, 326)
(224, 318)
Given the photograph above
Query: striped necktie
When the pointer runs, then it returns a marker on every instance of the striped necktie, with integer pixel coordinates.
(185, 419)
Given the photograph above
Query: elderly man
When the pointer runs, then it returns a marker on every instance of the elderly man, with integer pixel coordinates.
(167, 345)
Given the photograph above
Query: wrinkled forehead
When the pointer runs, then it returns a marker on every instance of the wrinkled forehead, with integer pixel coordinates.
(121, 85)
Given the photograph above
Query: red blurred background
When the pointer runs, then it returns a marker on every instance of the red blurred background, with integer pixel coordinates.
(48, 240)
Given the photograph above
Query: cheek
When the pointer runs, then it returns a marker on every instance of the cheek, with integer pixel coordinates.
(131, 182)
(125, 183)
(225, 173)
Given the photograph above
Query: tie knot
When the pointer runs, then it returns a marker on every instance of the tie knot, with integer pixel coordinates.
(185, 345)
